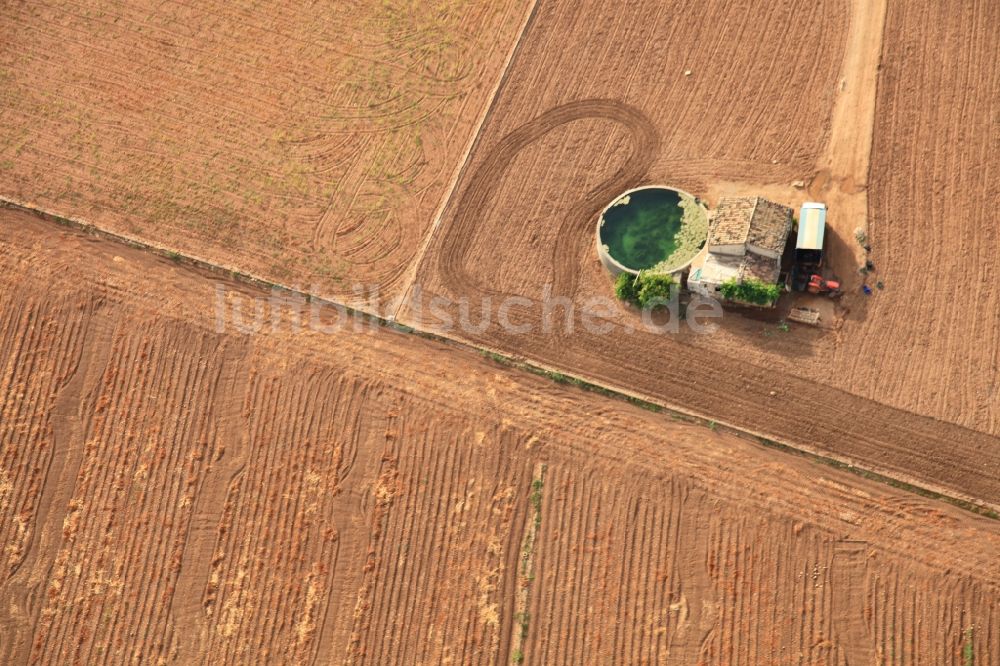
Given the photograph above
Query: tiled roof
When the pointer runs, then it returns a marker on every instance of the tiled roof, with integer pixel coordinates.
(731, 223)
(760, 268)
(770, 225)
(750, 220)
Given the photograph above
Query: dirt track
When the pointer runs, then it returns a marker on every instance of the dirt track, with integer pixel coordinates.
(363, 496)
(855, 392)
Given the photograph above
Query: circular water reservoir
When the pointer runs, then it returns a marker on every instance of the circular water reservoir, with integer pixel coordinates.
(651, 228)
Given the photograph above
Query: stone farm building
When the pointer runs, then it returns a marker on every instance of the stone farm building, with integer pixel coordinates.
(746, 238)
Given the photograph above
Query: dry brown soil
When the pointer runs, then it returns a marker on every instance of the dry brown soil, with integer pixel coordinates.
(309, 144)
(173, 493)
(905, 383)
(175, 487)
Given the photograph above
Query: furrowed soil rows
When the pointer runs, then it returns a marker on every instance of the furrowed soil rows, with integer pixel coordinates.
(934, 202)
(40, 347)
(445, 500)
(303, 433)
(515, 249)
(124, 528)
(668, 573)
(366, 497)
(309, 145)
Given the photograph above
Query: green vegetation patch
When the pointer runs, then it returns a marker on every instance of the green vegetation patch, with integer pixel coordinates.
(690, 238)
(750, 291)
(646, 290)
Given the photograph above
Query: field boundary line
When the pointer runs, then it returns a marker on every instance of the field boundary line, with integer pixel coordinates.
(678, 413)
(162, 251)
(538, 368)
(415, 263)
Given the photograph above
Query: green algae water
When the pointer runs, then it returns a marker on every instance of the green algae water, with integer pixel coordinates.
(640, 229)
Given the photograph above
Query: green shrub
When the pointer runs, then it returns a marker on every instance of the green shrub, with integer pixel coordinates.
(647, 290)
(654, 289)
(750, 291)
(625, 288)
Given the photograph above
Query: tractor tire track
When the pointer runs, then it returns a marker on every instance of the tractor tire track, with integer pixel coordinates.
(460, 235)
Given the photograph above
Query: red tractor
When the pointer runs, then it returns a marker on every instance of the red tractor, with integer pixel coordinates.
(819, 285)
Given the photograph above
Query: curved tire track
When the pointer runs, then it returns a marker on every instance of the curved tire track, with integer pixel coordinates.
(460, 234)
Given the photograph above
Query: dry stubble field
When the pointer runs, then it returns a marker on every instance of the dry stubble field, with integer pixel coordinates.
(171, 493)
(907, 383)
(309, 144)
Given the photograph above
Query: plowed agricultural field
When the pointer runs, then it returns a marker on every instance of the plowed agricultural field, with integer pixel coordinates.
(309, 144)
(174, 490)
(933, 346)
(171, 491)
(700, 98)
(613, 107)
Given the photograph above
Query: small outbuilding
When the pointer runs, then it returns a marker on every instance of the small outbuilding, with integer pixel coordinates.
(812, 228)
(746, 238)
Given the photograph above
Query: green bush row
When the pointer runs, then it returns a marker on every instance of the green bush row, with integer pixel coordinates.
(750, 291)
